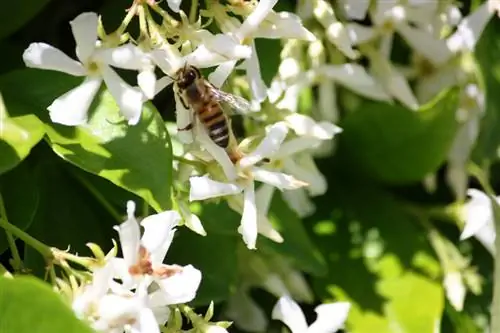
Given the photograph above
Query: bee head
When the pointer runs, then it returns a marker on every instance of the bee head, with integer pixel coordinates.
(187, 75)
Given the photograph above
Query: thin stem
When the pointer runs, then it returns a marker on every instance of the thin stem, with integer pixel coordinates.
(43, 249)
(98, 195)
(193, 11)
(186, 161)
(17, 261)
(126, 21)
(495, 307)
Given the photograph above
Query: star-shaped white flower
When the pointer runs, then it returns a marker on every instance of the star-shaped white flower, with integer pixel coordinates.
(331, 317)
(479, 220)
(143, 257)
(204, 188)
(262, 22)
(94, 63)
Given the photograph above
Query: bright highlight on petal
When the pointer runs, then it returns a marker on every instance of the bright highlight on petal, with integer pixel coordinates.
(84, 28)
(129, 99)
(44, 56)
(203, 188)
(71, 108)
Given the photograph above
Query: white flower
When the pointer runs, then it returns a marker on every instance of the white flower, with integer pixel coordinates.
(479, 220)
(331, 317)
(354, 77)
(72, 107)
(131, 312)
(262, 22)
(143, 258)
(455, 289)
(471, 27)
(409, 21)
(336, 32)
(203, 187)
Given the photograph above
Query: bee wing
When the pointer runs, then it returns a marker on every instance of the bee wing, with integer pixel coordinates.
(237, 103)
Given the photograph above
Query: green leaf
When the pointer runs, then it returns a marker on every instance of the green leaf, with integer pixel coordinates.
(137, 158)
(379, 260)
(17, 136)
(15, 14)
(68, 214)
(27, 305)
(297, 245)
(395, 145)
(214, 255)
(21, 197)
(486, 52)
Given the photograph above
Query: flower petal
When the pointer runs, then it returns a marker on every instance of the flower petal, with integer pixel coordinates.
(147, 321)
(146, 80)
(221, 73)
(203, 188)
(159, 233)
(217, 152)
(435, 50)
(253, 21)
(331, 317)
(289, 312)
(257, 86)
(277, 179)
(191, 220)
(355, 9)
(470, 29)
(175, 5)
(130, 235)
(455, 289)
(295, 146)
(338, 35)
(267, 147)
(299, 202)
(246, 314)
(305, 169)
(127, 56)
(71, 109)
(355, 77)
(44, 56)
(180, 287)
(283, 25)
(306, 126)
(84, 28)
(478, 212)
(129, 99)
(248, 227)
(184, 118)
(359, 34)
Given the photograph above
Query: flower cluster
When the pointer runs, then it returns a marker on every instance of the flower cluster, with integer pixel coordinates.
(135, 291)
(279, 145)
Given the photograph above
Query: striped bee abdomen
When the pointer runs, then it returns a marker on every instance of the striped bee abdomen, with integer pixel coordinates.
(216, 123)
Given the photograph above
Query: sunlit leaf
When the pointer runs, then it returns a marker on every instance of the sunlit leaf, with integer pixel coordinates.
(27, 305)
(397, 145)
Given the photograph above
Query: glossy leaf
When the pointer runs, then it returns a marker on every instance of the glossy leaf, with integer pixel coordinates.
(68, 216)
(21, 197)
(487, 51)
(28, 305)
(18, 135)
(15, 14)
(296, 245)
(396, 145)
(215, 255)
(136, 158)
(378, 260)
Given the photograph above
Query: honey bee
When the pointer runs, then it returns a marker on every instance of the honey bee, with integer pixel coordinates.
(204, 99)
